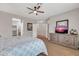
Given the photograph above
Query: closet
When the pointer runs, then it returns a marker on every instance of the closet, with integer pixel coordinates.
(40, 30)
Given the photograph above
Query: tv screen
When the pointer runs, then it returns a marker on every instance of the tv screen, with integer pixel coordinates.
(61, 26)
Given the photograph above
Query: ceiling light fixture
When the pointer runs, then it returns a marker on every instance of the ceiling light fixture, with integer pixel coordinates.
(35, 11)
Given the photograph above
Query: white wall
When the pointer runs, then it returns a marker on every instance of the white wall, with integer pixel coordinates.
(35, 28)
(6, 24)
(72, 16)
(26, 32)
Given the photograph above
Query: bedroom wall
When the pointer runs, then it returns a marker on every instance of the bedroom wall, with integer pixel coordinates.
(6, 24)
(26, 32)
(72, 16)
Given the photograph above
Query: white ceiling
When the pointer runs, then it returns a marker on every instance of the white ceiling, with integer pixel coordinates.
(50, 9)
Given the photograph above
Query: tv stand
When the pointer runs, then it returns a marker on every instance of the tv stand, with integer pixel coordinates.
(67, 40)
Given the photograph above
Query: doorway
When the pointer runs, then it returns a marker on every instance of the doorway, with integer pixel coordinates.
(40, 30)
(17, 27)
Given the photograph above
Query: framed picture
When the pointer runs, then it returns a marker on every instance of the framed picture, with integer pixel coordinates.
(62, 26)
(29, 26)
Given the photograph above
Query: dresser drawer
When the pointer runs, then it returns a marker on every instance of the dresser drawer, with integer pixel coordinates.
(65, 39)
(53, 37)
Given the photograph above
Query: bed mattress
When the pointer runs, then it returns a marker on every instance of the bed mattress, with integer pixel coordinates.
(23, 46)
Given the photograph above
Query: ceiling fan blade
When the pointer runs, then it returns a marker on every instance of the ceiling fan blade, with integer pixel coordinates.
(29, 8)
(30, 12)
(41, 11)
(38, 7)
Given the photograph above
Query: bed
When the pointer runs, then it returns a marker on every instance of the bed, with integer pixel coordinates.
(23, 46)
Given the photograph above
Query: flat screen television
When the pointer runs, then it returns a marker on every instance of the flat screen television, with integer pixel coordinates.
(61, 26)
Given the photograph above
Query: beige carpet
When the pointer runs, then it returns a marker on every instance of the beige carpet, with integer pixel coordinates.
(58, 50)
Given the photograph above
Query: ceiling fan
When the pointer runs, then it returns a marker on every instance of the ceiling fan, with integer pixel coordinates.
(35, 9)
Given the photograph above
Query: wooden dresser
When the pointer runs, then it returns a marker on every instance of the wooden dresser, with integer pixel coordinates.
(67, 40)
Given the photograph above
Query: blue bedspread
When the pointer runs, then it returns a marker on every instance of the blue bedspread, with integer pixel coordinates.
(31, 47)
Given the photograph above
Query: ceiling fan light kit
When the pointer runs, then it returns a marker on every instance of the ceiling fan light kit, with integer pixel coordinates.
(35, 11)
